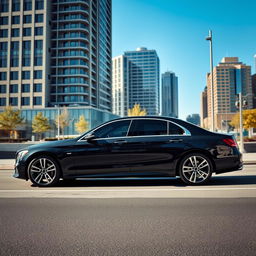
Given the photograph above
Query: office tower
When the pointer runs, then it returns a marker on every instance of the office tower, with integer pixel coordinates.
(254, 90)
(204, 110)
(24, 42)
(169, 94)
(81, 53)
(194, 119)
(55, 53)
(144, 79)
(229, 77)
(120, 85)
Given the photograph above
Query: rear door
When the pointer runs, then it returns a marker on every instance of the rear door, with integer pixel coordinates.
(154, 145)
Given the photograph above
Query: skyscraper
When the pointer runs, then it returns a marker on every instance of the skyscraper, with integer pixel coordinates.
(120, 85)
(144, 79)
(55, 53)
(229, 77)
(169, 94)
(204, 106)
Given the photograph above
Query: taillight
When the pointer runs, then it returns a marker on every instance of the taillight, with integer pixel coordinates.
(230, 142)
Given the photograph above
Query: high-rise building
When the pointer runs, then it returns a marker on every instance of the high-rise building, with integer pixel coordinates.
(254, 90)
(169, 94)
(229, 77)
(120, 85)
(204, 106)
(144, 79)
(194, 119)
(55, 53)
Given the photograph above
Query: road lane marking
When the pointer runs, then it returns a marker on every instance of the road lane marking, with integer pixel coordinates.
(119, 190)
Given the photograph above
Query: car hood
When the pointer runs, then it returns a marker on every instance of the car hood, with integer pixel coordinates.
(52, 144)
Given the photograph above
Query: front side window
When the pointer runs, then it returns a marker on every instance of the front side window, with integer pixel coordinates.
(146, 127)
(115, 129)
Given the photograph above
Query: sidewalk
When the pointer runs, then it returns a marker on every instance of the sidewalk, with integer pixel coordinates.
(8, 164)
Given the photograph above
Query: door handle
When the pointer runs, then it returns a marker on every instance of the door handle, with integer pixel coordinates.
(176, 140)
(120, 142)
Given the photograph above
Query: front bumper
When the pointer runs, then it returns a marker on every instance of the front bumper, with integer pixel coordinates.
(20, 171)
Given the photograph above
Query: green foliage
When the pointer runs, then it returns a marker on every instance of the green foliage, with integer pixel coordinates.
(63, 119)
(40, 124)
(10, 119)
(81, 125)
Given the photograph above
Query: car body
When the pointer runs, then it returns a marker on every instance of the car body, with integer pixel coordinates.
(149, 146)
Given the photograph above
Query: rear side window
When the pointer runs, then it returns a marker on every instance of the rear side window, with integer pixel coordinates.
(115, 129)
(175, 129)
(148, 127)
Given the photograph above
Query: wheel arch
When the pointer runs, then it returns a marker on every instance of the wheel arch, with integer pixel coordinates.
(42, 153)
(199, 151)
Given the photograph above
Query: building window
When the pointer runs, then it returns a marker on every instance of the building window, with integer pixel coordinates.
(3, 54)
(38, 53)
(2, 101)
(3, 33)
(25, 101)
(27, 19)
(27, 5)
(15, 5)
(37, 87)
(15, 32)
(14, 75)
(4, 6)
(13, 101)
(4, 20)
(26, 31)
(39, 18)
(38, 31)
(38, 74)
(26, 52)
(39, 4)
(13, 88)
(37, 100)
(2, 88)
(25, 74)
(2, 76)
(16, 19)
(25, 88)
(15, 54)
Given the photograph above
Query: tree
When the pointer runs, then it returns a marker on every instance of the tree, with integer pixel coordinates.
(137, 111)
(63, 119)
(249, 119)
(10, 119)
(81, 125)
(40, 124)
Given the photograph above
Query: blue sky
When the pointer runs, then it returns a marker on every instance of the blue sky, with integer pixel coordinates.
(176, 29)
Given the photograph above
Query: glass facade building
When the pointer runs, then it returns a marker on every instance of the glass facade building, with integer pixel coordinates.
(144, 79)
(169, 95)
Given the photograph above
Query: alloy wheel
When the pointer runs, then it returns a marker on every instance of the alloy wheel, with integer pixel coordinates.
(43, 171)
(196, 169)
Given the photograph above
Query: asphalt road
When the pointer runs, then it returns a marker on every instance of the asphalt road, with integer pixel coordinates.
(129, 217)
(127, 227)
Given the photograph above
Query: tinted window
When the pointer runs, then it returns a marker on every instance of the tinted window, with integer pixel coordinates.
(148, 127)
(115, 129)
(175, 129)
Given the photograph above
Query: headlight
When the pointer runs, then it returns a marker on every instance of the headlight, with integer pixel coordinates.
(21, 154)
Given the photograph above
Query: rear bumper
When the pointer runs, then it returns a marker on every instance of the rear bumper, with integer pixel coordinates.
(229, 164)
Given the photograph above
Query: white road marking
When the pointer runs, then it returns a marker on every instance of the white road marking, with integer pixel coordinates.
(120, 190)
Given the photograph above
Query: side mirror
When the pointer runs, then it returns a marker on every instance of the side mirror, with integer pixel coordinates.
(90, 137)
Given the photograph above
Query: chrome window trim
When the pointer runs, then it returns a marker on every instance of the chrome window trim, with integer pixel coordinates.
(186, 131)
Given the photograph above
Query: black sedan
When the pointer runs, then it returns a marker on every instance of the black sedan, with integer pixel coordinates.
(132, 147)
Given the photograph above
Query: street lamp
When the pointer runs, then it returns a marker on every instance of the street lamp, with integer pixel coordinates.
(209, 38)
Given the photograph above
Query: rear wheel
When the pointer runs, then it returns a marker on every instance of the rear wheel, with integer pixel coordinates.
(195, 169)
(44, 171)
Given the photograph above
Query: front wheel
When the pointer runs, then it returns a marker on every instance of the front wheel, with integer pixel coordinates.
(44, 171)
(195, 169)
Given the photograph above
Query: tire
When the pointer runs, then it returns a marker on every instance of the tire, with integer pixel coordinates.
(44, 171)
(195, 169)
